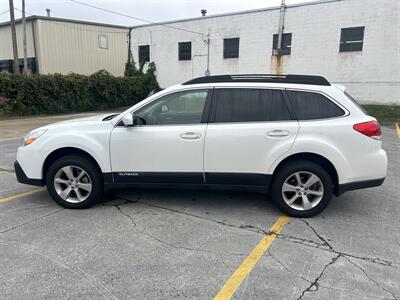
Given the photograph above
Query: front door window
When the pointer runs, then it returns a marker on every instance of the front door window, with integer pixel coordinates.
(184, 107)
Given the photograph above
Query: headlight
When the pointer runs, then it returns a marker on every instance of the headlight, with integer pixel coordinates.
(33, 136)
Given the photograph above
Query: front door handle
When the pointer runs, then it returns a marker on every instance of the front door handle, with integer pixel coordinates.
(278, 133)
(190, 136)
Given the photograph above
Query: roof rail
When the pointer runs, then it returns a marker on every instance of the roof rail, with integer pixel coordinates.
(289, 78)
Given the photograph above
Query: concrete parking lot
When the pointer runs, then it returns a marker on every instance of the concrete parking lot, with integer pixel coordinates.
(173, 244)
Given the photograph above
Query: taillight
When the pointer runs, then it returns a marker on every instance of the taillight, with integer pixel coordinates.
(371, 129)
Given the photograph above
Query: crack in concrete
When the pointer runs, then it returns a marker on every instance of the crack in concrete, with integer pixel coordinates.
(31, 221)
(324, 245)
(286, 268)
(320, 237)
(372, 280)
(307, 280)
(192, 215)
(314, 286)
(117, 206)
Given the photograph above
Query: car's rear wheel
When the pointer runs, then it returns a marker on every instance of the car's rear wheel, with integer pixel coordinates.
(74, 182)
(302, 189)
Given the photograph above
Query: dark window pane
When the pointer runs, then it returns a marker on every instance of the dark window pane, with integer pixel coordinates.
(185, 51)
(286, 43)
(309, 106)
(144, 54)
(231, 48)
(184, 107)
(249, 105)
(351, 39)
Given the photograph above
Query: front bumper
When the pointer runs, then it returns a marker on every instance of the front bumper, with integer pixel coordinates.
(22, 178)
(341, 188)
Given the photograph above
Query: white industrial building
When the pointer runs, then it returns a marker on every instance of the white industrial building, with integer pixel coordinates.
(62, 46)
(351, 42)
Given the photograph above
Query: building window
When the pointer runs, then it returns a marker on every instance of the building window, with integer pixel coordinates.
(351, 39)
(231, 48)
(185, 50)
(144, 54)
(103, 41)
(286, 44)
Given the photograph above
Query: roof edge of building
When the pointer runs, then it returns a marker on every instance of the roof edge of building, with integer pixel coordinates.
(35, 17)
(316, 2)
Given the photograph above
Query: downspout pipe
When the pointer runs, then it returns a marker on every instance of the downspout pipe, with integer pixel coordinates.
(281, 27)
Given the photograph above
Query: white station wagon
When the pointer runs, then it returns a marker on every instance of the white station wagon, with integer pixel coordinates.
(297, 138)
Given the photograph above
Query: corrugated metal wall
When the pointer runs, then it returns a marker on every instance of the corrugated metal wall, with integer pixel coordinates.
(64, 47)
(67, 47)
(6, 51)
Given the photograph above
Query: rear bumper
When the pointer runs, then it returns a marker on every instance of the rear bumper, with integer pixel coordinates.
(358, 185)
(22, 178)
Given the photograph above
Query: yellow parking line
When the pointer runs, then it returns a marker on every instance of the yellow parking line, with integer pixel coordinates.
(397, 129)
(249, 263)
(12, 197)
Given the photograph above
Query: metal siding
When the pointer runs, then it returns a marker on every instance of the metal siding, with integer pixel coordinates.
(6, 51)
(68, 47)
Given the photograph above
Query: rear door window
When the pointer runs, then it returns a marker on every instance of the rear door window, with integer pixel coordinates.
(312, 106)
(249, 105)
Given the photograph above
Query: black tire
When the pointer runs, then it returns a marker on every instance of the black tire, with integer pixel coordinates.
(301, 166)
(89, 167)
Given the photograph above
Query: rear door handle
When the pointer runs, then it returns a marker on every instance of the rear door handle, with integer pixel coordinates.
(190, 136)
(278, 133)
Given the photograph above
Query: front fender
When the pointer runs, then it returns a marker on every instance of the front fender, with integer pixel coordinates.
(92, 139)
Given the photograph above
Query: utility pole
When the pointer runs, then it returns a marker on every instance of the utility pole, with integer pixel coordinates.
(14, 37)
(26, 71)
(207, 73)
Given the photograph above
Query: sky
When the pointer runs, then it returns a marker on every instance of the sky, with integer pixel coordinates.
(152, 10)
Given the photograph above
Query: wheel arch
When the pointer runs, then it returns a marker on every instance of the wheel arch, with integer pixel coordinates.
(60, 152)
(313, 157)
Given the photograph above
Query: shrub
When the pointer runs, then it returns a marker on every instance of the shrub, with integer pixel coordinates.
(56, 93)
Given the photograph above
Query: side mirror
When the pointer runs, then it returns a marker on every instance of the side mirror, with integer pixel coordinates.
(127, 119)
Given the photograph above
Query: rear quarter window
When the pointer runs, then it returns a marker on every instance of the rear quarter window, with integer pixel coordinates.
(355, 103)
(312, 106)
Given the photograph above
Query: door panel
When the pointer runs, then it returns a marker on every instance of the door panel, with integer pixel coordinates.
(167, 143)
(250, 128)
(151, 153)
(246, 147)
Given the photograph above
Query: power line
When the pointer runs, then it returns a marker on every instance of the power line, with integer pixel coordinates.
(136, 18)
(4, 12)
(60, 23)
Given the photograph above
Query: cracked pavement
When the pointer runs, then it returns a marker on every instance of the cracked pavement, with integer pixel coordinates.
(171, 244)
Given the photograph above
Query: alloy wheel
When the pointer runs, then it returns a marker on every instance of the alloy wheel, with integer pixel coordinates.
(302, 190)
(73, 184)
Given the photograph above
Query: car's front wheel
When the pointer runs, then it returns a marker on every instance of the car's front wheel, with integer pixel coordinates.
(74, 182)
(302, 189)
